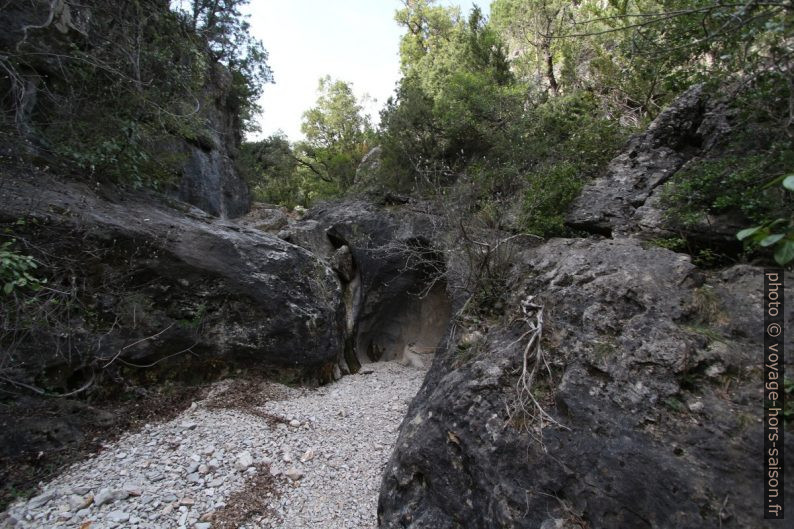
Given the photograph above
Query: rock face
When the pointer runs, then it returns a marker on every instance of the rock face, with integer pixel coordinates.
(654, 379)
(395, 310)
(652, 387)
(626, 200)
(368, 169)
(156, 280)
(210, 179)
(265, 217)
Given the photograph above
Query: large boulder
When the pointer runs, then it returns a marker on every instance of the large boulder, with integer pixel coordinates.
(368, 170)
(627, 199)
(150, 281)
(265, 217)
(653, 381)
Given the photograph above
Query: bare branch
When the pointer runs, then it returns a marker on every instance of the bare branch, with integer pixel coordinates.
(152, 337)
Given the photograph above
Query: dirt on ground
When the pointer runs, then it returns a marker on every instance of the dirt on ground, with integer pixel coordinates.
(252, 502)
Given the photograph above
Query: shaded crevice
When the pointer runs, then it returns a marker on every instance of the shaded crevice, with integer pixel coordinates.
(391, 313)
(405, 327)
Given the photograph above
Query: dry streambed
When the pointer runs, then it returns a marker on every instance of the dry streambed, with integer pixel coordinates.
(250, 455)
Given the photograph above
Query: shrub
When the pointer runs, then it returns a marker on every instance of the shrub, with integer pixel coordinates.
(778, 233)
(733, 184)
(16, 270)
(567, 141)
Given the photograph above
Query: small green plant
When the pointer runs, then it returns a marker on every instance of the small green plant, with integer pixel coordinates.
(15, 270)
(604, 349)
(197, 318)
(549, 192)
(737, 185)
(777, 234)
(788, 408)
(674, 404)
(468, 349)
(675, 243)
(706, 305)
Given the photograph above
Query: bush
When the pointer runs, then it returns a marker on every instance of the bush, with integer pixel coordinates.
(733, 184)
(549, 192)
(567, 141)
(741, 178)
(16, 270)
(777, 234)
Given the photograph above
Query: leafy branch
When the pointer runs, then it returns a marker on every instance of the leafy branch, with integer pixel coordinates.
(778, 233)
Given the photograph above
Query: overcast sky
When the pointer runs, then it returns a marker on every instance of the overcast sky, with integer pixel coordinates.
(352, 40)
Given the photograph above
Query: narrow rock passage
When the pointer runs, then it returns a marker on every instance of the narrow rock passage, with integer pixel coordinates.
(325, 453)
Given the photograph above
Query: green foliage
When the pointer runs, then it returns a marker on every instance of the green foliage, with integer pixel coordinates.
(550, 189)
(533, 29)
(777, 234)
(338, 135)
(675, 243)
(732, 184)
(566, 142)
(459, 109)
(745, 186)
(638, 54)
(674, 404)
(270, 170)
(119, 112)
(581, 75)
(455, 102)
(743, 182)
(225, 30)
(16, 270)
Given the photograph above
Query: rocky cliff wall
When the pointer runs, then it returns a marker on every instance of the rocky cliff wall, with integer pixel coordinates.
(42, 42)
(640, 407)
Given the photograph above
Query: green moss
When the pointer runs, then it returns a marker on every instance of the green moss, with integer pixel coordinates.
(198, 317)
(603, 349)
(706, 331)
(674, 404)
(465, 353)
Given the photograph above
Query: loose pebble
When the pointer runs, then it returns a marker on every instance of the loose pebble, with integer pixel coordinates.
(327, 462)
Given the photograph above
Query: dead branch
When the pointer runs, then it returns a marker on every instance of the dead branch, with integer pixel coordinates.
(46, 393)
(152, 337)
(533, 365)
(142, 366)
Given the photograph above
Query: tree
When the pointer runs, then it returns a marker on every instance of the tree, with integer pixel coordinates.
(338, 134)
(454, 97)
(270, 167)
(531, 27)
(637, 54)
(226, 32)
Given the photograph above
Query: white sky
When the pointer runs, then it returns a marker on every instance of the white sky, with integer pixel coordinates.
(351, 40)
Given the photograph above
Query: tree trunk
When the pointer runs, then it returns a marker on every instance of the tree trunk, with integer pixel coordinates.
(553, 86)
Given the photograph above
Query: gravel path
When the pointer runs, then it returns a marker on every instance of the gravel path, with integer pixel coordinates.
(311, 460)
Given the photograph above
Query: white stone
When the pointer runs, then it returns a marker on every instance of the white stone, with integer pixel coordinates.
(244, 460)
(118, 516)
(294, 474)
